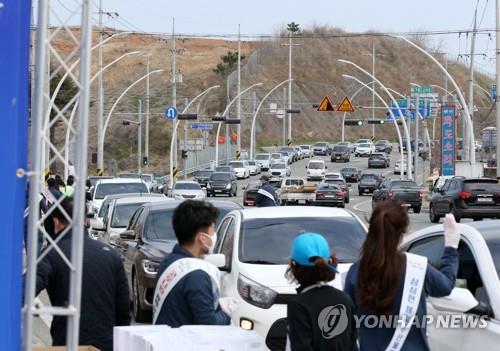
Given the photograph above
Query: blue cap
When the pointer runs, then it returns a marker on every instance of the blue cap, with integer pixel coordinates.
(309, 245)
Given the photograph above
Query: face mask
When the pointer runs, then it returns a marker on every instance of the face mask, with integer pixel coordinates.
(213, 239)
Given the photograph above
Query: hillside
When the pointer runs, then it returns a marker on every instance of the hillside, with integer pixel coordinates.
(316, 73)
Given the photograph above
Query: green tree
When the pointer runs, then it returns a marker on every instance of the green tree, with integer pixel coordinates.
(229, 61)
(293, 28)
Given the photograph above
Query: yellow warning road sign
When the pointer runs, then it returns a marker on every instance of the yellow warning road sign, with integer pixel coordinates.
(175, 171)
(100, 172)
(325, 105)
(289, 142)
(345, 106)
(238, 154)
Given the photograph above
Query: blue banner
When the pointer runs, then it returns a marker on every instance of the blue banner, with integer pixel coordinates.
(448, 140)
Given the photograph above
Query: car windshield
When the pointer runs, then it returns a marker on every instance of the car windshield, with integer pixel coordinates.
(147, 178)
(360, 141)
(284, 153)
(129, 175)
(122, 214)
(381, 142)
(262, 157)
(404, 184)
(251, 163)
(224, 169)
(364, 145)
(494, 246)
(278, 166)
(203, 173)
(482, 185)
(119, 188)
(187, 186)
(369, 179)
(276, 156)
(316, 165)
(340, 148)
(237, 164)
(377, 155)
(348, 170)
(270, 239)
(305, 147)
(335, 181)
(104, 209)
(294, 182)
(327, 186)
(220, 176)
(320, 144)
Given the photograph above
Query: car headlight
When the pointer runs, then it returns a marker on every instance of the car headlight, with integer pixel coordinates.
(228, 186)
(150, 267)
(255, 293)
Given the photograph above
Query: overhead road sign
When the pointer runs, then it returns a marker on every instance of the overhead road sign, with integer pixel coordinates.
(345, 106)
(325, 105)
(403, 105)
(421, 90)
(202, 126)
(171, 113)
(494, 92)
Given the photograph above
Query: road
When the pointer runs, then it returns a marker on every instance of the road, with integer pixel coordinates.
(360, 205)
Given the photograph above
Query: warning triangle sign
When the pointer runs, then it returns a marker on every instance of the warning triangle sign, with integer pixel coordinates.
(325, 105)
(345, 106)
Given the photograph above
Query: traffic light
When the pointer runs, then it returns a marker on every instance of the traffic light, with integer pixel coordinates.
(376, 121)
(187, 116)
(125, 123)
(218, 118)
(353, 122)
(184, 154)
(145, 161)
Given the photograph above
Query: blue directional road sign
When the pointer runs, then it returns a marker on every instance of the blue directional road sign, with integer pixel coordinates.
(202, 126)
(402, 103)
(494, 92)
(171, 113)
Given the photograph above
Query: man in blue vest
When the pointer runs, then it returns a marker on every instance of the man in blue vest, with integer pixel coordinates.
(266, 195)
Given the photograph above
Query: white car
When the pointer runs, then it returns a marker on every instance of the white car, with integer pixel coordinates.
(307, 150)
(476, 296)
(254, 167)
(253, 252)
(286, 157)
(115, 186)
(119, 212)
(241, 169)
(333, 175)
(148, 178)
(264, 160)
(401, 168)
(187, 189)
(276, 157)
(316, 170)
(361, 141)
(278, 171)
(364, 149)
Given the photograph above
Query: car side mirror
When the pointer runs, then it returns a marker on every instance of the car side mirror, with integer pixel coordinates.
(306, 167)
(326, 167)
(99, 225)
(127, 235)
(460, 300)
(90, 215)
(218, 260)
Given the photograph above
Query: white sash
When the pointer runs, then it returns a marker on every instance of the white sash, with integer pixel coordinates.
(175, 272)
(416, 266)
(266, 194)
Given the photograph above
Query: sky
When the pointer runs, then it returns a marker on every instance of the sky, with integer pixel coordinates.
(267, 16)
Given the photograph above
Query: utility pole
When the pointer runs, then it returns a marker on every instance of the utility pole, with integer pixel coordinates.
(146, 146)
(139, 137)
(100, 104)
(254, 108)
(174, 86)
(415, 153)
(466, 133)
(409, 174)
(238, 130)
(290, 88)
(373, 54)
(186, 102)
(497, 18)
(284, 119)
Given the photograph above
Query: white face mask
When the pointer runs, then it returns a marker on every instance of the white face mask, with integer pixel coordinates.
(213, 238)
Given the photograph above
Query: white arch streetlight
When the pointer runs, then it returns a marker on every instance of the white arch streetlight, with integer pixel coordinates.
(224, 115)
(254, 118)
(400, 139)
(174, 133)
(407, 134)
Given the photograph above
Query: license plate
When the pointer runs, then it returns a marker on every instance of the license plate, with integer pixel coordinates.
(218, 191)
(329, 196)
(484, 200)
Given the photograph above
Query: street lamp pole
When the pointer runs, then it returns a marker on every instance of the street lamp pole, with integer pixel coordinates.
(254, 118)
(407, 134)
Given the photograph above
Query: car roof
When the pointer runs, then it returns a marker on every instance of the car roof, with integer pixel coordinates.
(186, 182)
(227, 204)
(294, 212)
(121, 196)
(139, 199)
(120, 181)
(317, 160)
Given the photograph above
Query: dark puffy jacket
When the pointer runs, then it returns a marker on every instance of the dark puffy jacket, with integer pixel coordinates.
(262, 200)
(105, 299)
(191, 301)
(438, 283)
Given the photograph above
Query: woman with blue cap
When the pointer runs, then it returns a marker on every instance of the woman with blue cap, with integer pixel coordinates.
(320, 317)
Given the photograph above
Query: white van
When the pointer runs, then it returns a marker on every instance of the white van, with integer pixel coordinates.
(316, 170)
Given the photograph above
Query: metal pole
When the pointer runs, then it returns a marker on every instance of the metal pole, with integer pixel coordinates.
(186, 103)
(146, 146)
(497, 18)
(227, 144)
(290, 87)
(100, 104)
(465, 128)
(415, 153)
(409, 161)
(174, 85)
(139, 137)
(373, 91)
(284, 119)
(238, 130)
(254, 108)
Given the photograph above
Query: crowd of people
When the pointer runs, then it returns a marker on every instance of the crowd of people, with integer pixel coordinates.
(374, 285)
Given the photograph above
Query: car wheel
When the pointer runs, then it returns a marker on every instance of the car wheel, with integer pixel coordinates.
(417, 209)
(230, 194)
(140, 315)
(434, 218)
(360, 193)
(347, 200)
(342, 205)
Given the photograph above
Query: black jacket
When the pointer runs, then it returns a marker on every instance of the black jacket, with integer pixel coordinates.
(191, 301)
(321, 319)
(263, 200)
(105, 300)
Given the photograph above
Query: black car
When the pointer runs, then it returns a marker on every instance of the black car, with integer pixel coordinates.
(249, 193)
(222, 183)
(475, 198)
(379, 159)
(229, 169)
(405, 191)
(368, 183)
(329, 195)
(351, 174)
(202, 177)
(340, 153)
(148, 239)
(383, 146)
